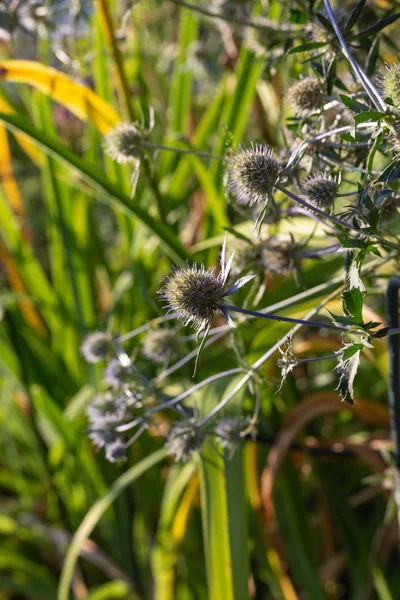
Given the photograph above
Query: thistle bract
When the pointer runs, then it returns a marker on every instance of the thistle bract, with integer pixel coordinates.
(252, 173)
(321, 191)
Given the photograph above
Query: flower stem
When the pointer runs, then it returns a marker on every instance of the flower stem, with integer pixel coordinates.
(151, 146)
(338, 222)
(255, 313)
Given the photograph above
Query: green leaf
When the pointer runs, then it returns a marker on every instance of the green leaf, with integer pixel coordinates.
(378, 26)
(354, 105)
(94, 515)
(368, 115)
(96, 178)
(352, 303)
(306, 47)
(351, 350)
(391, 172)
(353, 16)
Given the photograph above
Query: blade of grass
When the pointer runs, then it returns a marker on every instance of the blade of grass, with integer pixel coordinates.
(96, 178)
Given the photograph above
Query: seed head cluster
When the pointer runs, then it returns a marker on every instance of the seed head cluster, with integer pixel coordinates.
(124, 143)
(305, 97)
(321, 191)
(229, 430)
(252, 173)
(391, 83)
(278, 256)
(388, 210)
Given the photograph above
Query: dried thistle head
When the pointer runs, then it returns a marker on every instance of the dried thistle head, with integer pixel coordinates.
(116, 451)
(388, 209)
(305, 97)
(320, 191)
(229, 432)
(195, 294)
(278, 256)
(391, 83)
(159, 344)
(96, 347)
(252, 173)
(185, 438)
(124, 143)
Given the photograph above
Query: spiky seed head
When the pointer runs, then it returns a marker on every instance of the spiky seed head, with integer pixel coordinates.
(321, 34)
(388, 210)
(96, 347)
(194, 295)
(229, 432)
(277, 256)
(321, 191)
(391, 83)
(124, 143)
(159, 343)
(305, 97)
(116, 451)
(252, 173)
(185, 438)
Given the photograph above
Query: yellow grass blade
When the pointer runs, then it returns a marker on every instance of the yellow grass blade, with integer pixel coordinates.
(7, 176)
(79, 99)
(27, 307)
(26, 144)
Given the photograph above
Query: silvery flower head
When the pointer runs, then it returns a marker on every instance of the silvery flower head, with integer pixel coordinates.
(116, 374)
(391, 83)
(252, 174)
(305, 96)
(195, 295)
(159, 344)
(185, 438)
(96, 347)
(321, 191)
(116, 451)
(124, 143)
(229, 432)
(106, 407)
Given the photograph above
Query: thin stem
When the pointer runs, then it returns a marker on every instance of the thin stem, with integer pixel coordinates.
(182, 151)
(262, 24)
(321, 252)
(334, 219)
(364, 80)
(318, 358)
(394, 381)
(255, 313)
(262, 360)
(145, 327)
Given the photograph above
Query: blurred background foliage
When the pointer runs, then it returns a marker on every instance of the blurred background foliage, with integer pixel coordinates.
(78, 253)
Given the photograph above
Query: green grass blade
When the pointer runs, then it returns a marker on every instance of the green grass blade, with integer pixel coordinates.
(94, 177)
(96, 512)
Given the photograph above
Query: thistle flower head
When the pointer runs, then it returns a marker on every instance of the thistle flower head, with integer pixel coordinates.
(116, 374)
(124, 142)
(278, 256)
(106, 407)
(96, 346)
(305, 97)
(388, 210)
(195, 294)
(391, 83)
(321, 191)
(184, 438)
(159, 344)
(116, 451)
(252, 173)
(229, 432)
